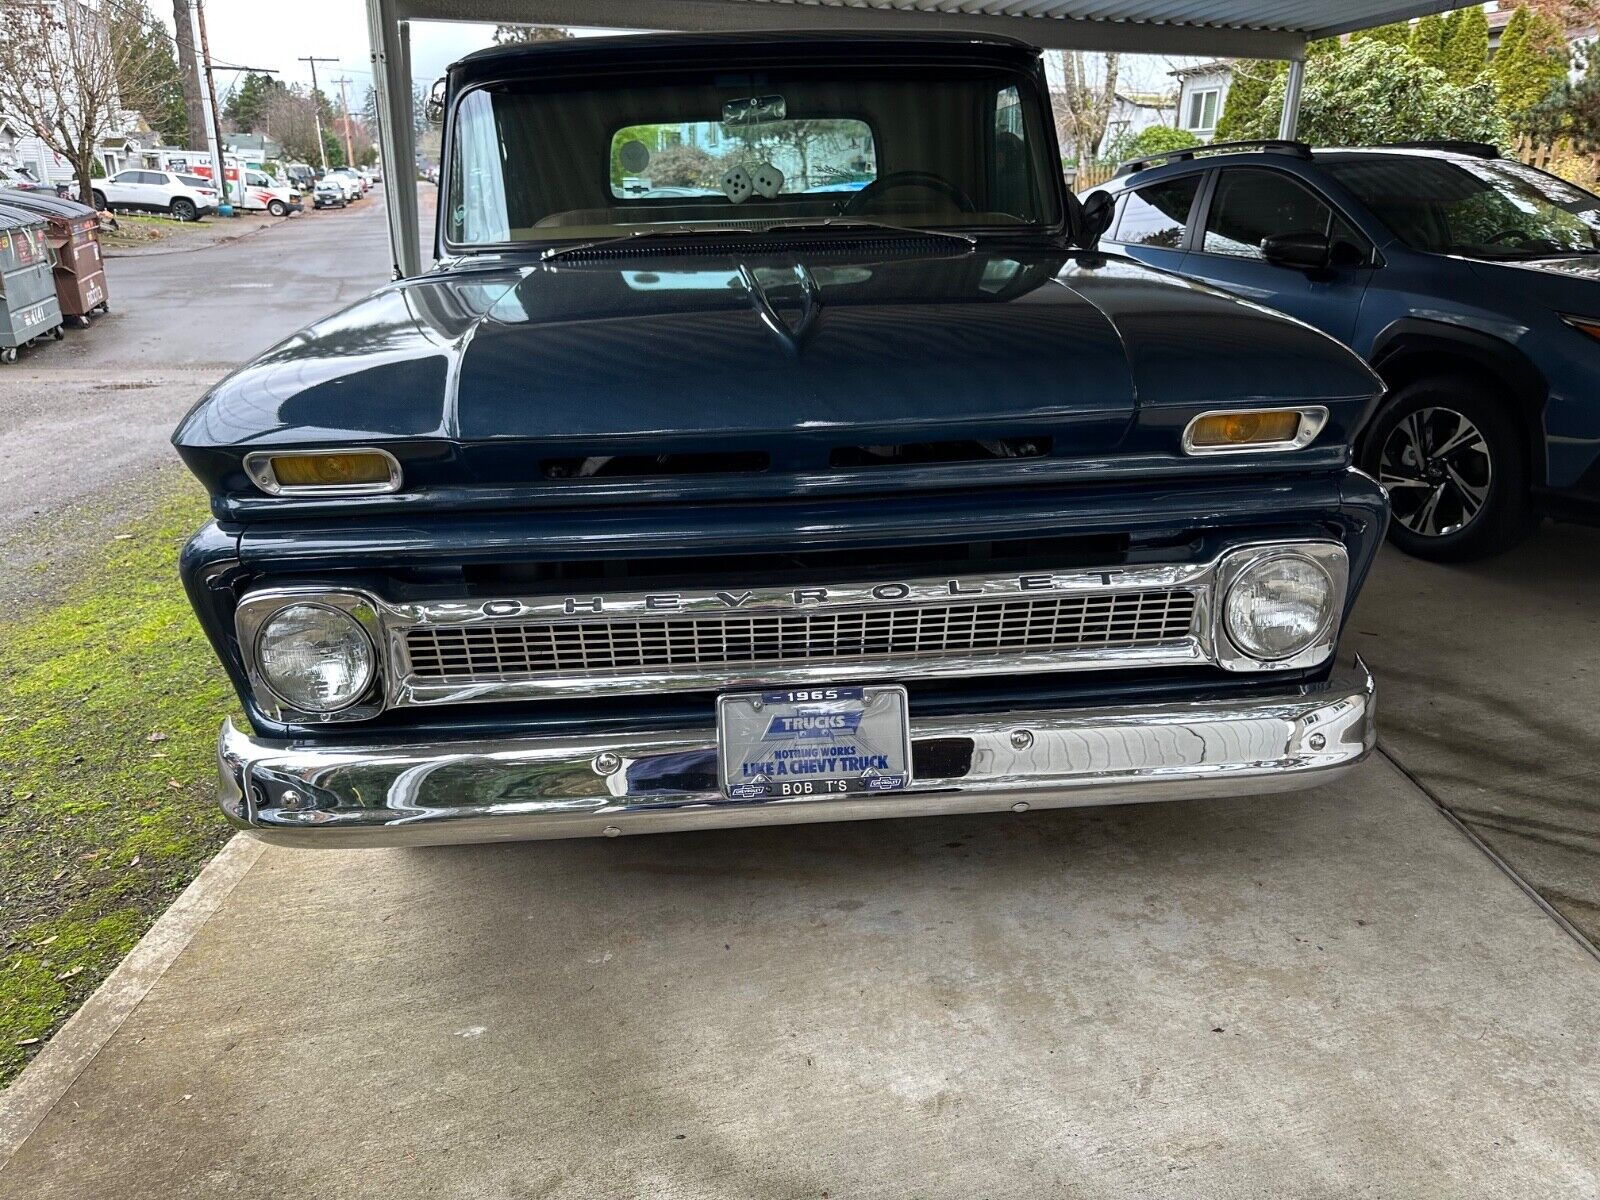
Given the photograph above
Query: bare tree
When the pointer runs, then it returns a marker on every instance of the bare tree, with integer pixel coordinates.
(1083, 103)
(59, 74)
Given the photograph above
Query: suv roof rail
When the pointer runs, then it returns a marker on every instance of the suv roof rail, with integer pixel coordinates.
(1453, 146)
(1273, 145)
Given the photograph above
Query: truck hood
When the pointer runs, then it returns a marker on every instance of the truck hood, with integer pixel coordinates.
(797, 357)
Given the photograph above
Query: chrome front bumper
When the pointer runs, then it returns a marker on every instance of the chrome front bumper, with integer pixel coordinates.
(344, 796)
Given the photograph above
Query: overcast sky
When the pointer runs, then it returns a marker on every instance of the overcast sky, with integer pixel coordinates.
(276, 33)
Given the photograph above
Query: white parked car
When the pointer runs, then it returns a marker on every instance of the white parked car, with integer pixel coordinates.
(156, 191)
(349, 188)
(354, 176)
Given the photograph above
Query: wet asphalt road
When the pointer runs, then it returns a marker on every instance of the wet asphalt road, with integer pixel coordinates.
(85, 422)
(221, 305)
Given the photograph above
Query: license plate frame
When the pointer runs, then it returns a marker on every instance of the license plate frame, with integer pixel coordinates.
(821, 749)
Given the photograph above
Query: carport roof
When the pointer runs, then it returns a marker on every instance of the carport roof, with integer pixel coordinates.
(1204, 28)
(1238, 28)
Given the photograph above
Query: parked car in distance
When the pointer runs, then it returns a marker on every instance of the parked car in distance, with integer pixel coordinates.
(329, 193)
(775, 504)
(356, 178)
(1470, 282)
(263, 193)
(23, 180)
(350, 187)
(186, 197)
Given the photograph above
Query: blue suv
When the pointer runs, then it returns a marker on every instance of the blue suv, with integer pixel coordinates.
(1470, 282)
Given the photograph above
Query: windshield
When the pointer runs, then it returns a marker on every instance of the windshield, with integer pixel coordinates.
(961, 148)
(1481, 208)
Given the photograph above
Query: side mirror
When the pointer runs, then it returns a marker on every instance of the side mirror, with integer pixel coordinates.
(1298, 251)
(433, 107)
(1098, 209)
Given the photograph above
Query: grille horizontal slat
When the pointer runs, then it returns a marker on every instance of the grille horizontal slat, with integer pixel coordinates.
(519, 648)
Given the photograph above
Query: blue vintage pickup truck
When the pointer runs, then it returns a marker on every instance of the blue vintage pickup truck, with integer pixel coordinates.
(771, 443)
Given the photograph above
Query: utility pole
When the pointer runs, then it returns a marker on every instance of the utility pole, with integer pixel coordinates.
(316, 108)
(208, 97)
(344, 103)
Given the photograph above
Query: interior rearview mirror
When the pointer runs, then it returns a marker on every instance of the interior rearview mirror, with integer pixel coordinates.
(1298, 251)
(753, 110)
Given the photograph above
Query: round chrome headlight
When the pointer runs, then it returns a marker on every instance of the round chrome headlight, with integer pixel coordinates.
(314, 658)
(1279, 606)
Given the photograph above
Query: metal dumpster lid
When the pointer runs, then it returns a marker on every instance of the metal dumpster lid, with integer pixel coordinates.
(45, 204)
(19, 218)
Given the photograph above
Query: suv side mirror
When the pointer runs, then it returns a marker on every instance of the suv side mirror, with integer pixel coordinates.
(1098, 209)
(1298, 251)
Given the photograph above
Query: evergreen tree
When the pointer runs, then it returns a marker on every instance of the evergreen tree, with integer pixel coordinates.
(1396, 34)
(246, 107)
(1374, 93)
(148, 80)
(1466, 50)
(1427, 40)
(1531, 63)
(1252, 81)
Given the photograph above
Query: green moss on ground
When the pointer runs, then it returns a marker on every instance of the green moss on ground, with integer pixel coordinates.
(109, 705)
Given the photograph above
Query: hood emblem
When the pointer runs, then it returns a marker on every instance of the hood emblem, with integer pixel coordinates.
(792, 336)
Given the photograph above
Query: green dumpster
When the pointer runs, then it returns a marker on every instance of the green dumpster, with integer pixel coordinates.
(28, 305)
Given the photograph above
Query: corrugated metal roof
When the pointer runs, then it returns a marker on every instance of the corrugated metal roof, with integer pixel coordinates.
(1238, 28)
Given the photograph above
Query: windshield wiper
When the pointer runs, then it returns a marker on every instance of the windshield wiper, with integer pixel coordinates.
(666, 231)
(804, 225)
(825, 223)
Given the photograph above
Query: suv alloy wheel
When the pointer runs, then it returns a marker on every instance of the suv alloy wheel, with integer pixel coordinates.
(1451, 458)
(184, 210)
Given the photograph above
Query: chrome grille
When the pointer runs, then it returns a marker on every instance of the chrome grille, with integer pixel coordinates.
(515, 648)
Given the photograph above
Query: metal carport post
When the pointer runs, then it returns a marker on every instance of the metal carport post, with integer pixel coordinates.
(1209, 28)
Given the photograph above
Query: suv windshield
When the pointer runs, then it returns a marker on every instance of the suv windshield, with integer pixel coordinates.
(1482, 208)
(928, 148)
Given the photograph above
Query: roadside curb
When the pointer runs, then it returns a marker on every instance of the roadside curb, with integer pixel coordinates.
(31, 1096)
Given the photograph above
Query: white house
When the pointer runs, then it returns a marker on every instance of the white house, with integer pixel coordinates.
(1202, 92)
(1132, 113)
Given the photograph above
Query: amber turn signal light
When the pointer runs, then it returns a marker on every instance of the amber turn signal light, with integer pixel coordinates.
(1259, 429)
(311, 472)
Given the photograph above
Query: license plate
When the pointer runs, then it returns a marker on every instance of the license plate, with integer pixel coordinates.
(829, 741)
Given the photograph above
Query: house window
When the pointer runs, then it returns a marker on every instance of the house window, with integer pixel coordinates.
(1202, 111)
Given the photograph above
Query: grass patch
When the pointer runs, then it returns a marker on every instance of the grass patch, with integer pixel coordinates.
(109, 705)
(140, 229)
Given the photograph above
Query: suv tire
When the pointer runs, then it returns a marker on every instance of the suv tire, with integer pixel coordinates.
(1468, 502)
(184, 210)
(99, 199)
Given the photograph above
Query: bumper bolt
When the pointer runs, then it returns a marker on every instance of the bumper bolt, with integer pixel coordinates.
(1317, 741)
(606, 763)
(1021, 806)
(611, 831)
(1021, 739)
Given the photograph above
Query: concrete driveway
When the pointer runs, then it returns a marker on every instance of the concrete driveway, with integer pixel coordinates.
(1336, 993)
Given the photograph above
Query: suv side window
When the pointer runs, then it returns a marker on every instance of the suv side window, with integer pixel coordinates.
(1158, 215)
(150, 177)
(1251, 205)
